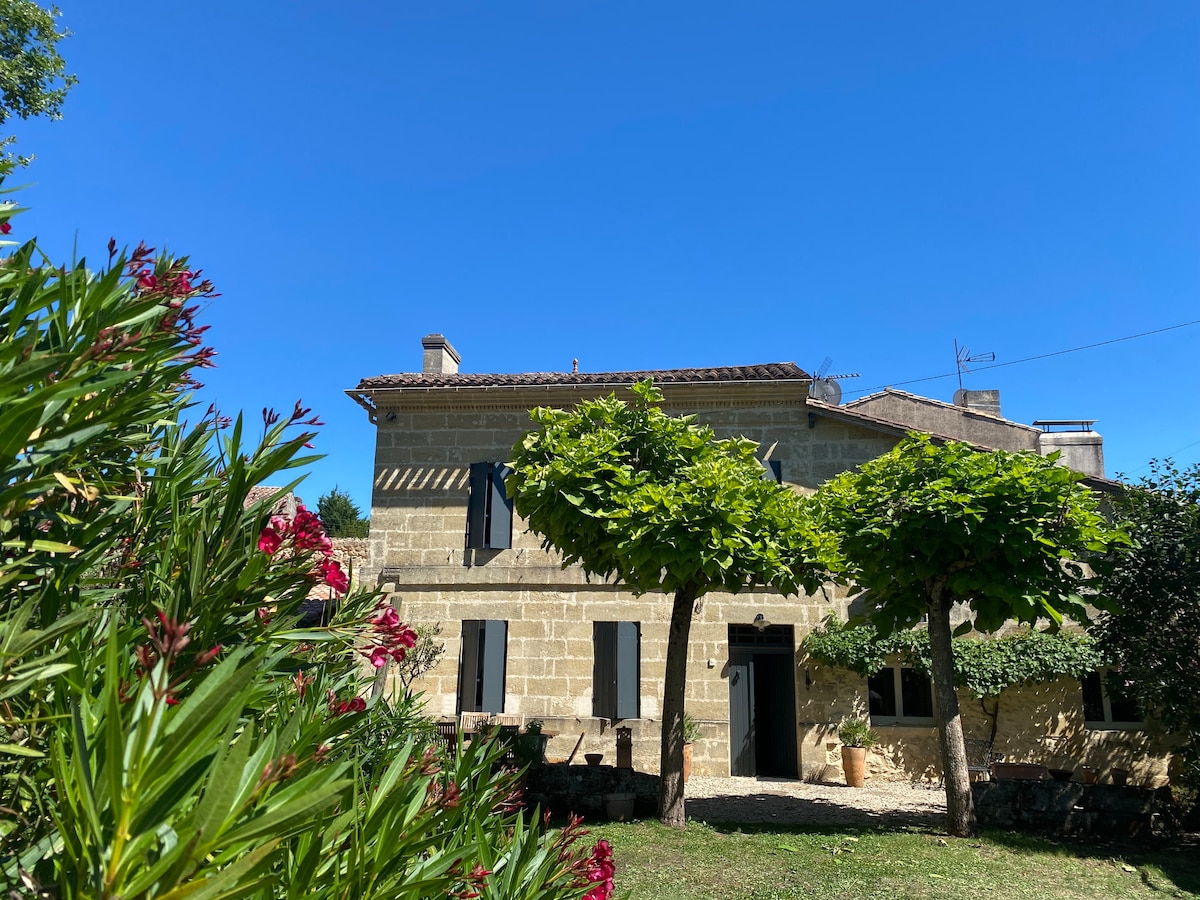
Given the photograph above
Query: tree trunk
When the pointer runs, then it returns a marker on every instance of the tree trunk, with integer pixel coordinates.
(670, 767)
(960, 805)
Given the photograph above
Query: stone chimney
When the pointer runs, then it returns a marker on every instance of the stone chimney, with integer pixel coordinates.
(440, 357)
(987, 402)
(1079, 448)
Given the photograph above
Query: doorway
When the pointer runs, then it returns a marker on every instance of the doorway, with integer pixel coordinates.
(762, 701)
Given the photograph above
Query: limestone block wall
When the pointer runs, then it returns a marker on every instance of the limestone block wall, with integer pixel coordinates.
(1041, 723)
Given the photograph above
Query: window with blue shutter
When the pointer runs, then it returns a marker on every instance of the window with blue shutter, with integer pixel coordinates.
(489, 510)
(772, 470)
(481, 665)
(616, 671)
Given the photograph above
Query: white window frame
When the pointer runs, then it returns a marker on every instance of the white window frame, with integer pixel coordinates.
(1108, 723)
(898, 686)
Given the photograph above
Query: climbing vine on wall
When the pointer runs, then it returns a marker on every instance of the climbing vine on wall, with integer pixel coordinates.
(985, 667)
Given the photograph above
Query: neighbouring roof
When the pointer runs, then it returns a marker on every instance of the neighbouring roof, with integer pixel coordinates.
(764, 372)
(938, 404)
(889, 426)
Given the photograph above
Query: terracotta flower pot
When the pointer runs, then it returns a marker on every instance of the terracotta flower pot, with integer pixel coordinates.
(687, 762)
(854, 764)
(1120, 777)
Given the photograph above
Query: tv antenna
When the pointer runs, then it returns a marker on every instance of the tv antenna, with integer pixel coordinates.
(825, 387)
(962, 357)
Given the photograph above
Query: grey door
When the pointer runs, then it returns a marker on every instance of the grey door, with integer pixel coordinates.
(762, 702)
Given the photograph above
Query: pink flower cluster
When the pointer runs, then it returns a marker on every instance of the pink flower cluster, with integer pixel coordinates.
(600, 870)
(389, 637)
(341, 707)
(304, 533)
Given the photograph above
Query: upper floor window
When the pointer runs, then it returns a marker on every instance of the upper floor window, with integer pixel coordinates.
(900, 695)
(1101, 710)
(616, 672)
(489, 511)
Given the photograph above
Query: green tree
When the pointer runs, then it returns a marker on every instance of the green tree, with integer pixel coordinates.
(1153, 639)
(32, 74)
(925, 527)
(341, 516)
(658, 504)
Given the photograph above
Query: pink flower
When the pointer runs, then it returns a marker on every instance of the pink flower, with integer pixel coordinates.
(332, 574)
(269, 540)
(600, 872)
(5, 228)
(378, 657)
(388, 618)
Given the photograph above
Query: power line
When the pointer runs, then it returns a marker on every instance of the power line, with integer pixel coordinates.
(1026, 359)
(1172, 455)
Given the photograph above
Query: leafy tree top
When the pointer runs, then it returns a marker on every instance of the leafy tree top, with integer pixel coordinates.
(1153, 636)
(1002, 532)
(341, 516)
(626, 490)
(33, 79)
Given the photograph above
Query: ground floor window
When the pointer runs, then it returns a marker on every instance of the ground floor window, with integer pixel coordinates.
(900, 695)
(615, 673)
(481, 665)
(1102, 710)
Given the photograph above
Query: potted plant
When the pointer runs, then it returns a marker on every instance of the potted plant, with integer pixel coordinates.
(857, 738)
(530, 746)
(691, 734)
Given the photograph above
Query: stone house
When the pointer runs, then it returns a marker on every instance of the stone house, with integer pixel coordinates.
(525, 637)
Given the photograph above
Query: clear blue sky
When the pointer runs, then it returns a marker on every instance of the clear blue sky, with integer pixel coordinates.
(654, 185)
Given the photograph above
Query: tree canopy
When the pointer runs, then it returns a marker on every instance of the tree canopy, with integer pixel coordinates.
(925, 527)
(33, 79)
(1152, 638)
(341, 516)
(657, 503)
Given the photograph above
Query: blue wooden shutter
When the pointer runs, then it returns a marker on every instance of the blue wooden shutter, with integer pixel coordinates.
(468, 666)
(772, 470)
(628, 640)
(499, 510)
(477, 500)
(495, 642)
(604, 670)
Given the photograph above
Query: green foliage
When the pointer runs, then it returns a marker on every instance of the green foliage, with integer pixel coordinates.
(627, 491)
(985, 667)
(857, 733)
(691, 729)
(33, 79)
(1001, 532)
(1153, 637)
(656, 503)
(421, 657)
(925, 527)
(341, 516)
(167, 729)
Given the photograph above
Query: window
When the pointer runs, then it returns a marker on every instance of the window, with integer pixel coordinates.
(1101, 710)
(899, 695)
(772, 470)
(615, 673)
(489, 511)
(481, 666)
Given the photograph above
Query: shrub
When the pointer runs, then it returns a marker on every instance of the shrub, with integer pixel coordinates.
(169, 729)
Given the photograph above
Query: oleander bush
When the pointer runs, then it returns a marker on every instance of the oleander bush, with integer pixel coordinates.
(168, 728)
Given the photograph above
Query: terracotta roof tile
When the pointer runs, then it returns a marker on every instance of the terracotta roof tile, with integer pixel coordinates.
(764, 372)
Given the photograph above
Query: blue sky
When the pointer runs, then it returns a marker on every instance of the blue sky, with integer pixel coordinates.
(654, 185)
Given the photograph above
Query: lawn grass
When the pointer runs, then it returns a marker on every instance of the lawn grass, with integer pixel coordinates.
(773, 863)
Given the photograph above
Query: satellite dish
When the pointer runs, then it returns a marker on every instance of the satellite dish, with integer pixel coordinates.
(826, 390)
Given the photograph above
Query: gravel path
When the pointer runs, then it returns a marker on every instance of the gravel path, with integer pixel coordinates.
(780, 802)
